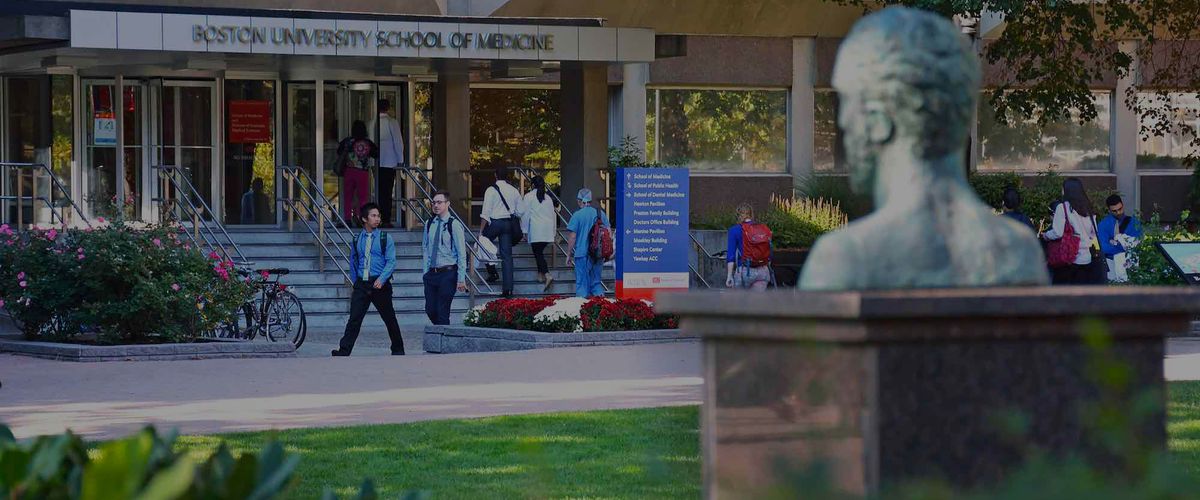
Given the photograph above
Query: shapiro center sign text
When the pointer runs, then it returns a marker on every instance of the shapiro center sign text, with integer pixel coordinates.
(317, 37)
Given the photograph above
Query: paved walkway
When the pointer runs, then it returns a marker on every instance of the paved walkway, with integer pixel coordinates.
(103, 400)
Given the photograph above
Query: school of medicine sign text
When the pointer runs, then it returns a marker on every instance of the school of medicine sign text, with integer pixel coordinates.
(317, 37)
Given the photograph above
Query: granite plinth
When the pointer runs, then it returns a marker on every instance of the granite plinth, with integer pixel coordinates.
(443, 339)
(892, 386)
(145, 352)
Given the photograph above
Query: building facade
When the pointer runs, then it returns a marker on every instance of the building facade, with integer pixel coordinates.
(108, 93)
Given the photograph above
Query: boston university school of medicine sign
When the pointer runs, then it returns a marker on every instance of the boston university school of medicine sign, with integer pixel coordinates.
(357, 37)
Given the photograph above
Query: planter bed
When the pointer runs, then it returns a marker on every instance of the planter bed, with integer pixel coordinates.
(458, 339)
(145, 352)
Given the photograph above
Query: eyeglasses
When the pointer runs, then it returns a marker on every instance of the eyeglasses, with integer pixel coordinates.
(439, 202)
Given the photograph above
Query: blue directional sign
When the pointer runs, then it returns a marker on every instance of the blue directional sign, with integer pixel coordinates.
(652, 232)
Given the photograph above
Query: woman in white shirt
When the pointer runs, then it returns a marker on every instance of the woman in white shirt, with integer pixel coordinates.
(1076, 210)
(540, 225)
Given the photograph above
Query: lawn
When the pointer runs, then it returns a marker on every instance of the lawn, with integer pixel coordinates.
(650, 453)
(1183, 424)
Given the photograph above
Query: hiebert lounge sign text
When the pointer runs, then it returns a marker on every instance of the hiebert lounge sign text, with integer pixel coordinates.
(318, 37)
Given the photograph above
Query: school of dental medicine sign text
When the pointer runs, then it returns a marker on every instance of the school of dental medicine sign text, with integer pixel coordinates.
(317, 37)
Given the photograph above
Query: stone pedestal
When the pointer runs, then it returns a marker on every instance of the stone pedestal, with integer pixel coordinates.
(890, 386)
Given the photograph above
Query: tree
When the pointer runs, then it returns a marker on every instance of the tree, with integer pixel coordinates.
(1052, 51)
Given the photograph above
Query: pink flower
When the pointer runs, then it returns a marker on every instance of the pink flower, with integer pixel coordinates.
(100, 220)
(79, 256)
(5, 230)
(175, 286)
(21, 275)
(157, 242)
(79, 250)
(51, 235)
(1, 302)
(264, 274)
(23, 283)
(214, 256)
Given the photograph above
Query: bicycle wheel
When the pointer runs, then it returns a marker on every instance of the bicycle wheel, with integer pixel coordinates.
(241, 327)
(285, 319)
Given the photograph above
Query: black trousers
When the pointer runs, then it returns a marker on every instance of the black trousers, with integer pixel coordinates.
(439, 294)
(539, 255)
(387, 184)
(361, 298)
(1075, 274)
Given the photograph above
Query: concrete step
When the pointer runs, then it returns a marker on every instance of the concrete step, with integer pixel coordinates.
(416, 289)
(403, 263)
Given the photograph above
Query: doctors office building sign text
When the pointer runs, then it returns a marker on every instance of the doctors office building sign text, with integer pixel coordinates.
(318, 37)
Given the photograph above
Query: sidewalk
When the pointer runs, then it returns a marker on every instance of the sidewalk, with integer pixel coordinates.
(105, 400)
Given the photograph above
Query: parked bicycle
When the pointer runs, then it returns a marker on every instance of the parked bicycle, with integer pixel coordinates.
(272, 312)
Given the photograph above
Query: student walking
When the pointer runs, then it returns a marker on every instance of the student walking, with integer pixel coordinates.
(501, 209)
(391, 156)
(540, 223)
(443, 259)
(582, 227)
(372, 261)
(1072, 233)
(354, 154)
(748, 252)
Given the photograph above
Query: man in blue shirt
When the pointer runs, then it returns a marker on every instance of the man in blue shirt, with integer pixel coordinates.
(1110, 231)
(443, 260)
(372, 261)
(587, 271)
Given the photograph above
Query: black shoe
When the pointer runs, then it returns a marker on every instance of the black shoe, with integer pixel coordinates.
(338, 353)
(397, 353)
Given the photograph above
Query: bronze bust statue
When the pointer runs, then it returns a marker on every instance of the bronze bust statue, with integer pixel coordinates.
(908, 83)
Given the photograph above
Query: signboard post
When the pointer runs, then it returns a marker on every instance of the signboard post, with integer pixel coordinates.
(652, 231)
(249, 122)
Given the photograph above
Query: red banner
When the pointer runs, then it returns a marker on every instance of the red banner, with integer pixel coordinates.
(249, 121)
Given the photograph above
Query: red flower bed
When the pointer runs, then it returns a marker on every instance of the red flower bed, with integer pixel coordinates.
(604, 315)
(596, 315)
(512, 313)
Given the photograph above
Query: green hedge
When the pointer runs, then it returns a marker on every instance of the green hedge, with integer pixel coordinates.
(1037, 198)
(794, 222)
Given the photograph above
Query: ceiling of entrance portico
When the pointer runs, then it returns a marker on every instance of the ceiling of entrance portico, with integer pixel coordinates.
(716, 17)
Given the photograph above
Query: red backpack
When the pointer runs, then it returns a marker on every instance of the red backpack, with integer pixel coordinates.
(756, 244)
(600, 241)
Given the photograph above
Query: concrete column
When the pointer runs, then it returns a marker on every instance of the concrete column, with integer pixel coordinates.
(452, 134)
(802, 122)
(1124, 131)
(584, 127)
(633, 104)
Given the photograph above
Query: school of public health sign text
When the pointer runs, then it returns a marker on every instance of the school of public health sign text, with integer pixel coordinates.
(317, 37)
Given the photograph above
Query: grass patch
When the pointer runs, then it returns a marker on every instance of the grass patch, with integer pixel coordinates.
(645, 453)
(1183, 424)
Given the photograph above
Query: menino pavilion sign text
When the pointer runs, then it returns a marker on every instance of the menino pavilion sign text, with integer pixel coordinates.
(318, 37)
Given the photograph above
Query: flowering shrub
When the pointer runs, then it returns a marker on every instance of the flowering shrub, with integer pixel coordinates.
(129, 286)
(569, 315)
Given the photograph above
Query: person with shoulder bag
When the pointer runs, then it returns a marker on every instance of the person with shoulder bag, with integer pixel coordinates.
(502, 208)
(748, 252)
(1073, 252)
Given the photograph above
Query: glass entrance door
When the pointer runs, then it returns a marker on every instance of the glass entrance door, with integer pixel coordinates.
(249, 187)
(116, 124)
(186, 137)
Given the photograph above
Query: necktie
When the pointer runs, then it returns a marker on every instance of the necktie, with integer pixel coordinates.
(367, 265)
(437, 240)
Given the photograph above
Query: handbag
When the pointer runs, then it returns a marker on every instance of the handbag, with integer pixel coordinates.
(492, 231)
(1098, 259)
(1062, 252)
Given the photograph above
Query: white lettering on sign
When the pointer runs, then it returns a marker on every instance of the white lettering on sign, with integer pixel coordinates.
(318, 37)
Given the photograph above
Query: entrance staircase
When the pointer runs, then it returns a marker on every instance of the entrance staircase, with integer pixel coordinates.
(326, 296)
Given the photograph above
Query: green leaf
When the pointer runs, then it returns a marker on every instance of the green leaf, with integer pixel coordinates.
(14, 463)
(171, 482)
(119, 470)
(6, 435)
(277, 480)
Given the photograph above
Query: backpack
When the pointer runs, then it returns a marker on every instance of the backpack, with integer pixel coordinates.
(1062, 252)
(756, 244)
(382, 246)
(449, 226)
(600, 241)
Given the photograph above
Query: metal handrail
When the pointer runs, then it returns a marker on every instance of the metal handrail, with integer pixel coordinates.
(54, 183)
(427, 188)
(313, 201)
(704, 253)
(527, 174)
(201, 229)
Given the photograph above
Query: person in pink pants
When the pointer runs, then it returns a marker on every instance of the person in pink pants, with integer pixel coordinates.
(354, 153)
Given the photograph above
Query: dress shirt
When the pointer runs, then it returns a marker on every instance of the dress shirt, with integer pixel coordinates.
(493, 208)
(451, 245)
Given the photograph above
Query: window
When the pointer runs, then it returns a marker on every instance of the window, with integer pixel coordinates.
(1021, 145)
(1176, 116)
(828, 156)
(718, 130)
